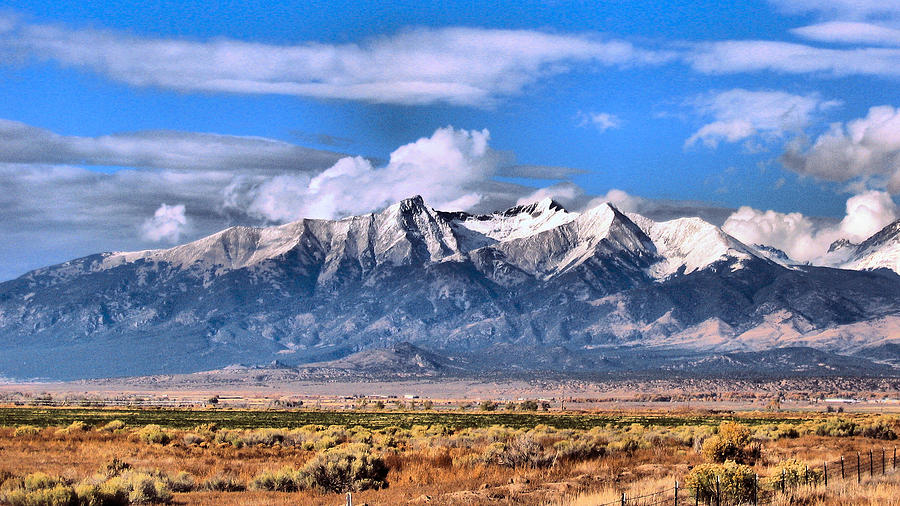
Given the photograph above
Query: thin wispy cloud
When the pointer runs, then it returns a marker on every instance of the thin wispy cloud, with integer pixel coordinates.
(163, 149)
(744, 56)
(602, 121)
(740, 114)
(850, 32)
(463, 66)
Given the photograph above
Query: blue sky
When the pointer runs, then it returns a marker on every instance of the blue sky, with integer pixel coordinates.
(130, 125)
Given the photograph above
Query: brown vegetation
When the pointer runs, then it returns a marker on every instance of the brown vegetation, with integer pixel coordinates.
(436, 464)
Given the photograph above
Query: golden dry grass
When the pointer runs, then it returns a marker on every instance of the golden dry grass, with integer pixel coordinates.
(437, 468)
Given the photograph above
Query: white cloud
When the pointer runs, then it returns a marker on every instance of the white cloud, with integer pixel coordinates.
(850, 32)
(867, 148)
(167, 224)
(805, 240)
(602, 121)
(741, 56)
(450, 170)
(469, 66)
(571, 196)
(739, 114)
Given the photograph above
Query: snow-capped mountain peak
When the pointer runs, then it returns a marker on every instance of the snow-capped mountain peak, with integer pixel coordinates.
(686, 245)
(881, 251)
(517, 222)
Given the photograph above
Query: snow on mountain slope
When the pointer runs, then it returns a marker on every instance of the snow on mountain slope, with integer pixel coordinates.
(881, 251)
(542, 239)
(690, 244)
(600, 232)
(519, 221)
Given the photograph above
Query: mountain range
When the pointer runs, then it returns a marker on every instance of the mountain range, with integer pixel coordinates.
(532, 288)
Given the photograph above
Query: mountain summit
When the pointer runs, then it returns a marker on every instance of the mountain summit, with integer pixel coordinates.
(531, 287)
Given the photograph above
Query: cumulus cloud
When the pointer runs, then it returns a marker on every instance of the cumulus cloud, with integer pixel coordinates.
(866, 148)
(467, 66)
(740, 114)
(447, 169)
(570, 195)
(167, 224)
(808, 241)
(21, 143)
(602, 121)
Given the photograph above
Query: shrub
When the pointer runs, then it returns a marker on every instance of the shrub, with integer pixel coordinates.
(580, 449)
(26, 430)
(879, 430)
(224, 483)
(192, 439)
(736, 482)
(90, 494)
(113, 426)
(837, 427)
(59, 495)
(37, 481)
(728, 444)
(76, 426)
(38, 489)
(794, 473)
(182, 482)
(488, 406)
(345, 469)
(286, 479)
(141, 487)
(114, 467)
(154, 434)
(522, 451)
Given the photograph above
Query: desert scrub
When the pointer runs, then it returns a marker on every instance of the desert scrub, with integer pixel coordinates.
(836, 427)
(728, 444)
(113, 426)
(522, 451)
(26, 430)
(286, 479)
(348, 468)
(736, 482)
(153, 434)
(792, 473)
(224, 483)
(580, 449)
(182, 482)
(880, 428)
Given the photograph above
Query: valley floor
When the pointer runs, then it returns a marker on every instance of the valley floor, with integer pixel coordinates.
(224, 457)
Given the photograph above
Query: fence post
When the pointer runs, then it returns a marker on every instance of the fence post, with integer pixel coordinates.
(783, 490)
(871, 465)
(858, 470)
(825, 472)
(842, 467)
(882, 461)
(697, 495)
(718, 493)
(623, 498)
(755, 489)
(806, 476)
(895, 458)
(349, 499)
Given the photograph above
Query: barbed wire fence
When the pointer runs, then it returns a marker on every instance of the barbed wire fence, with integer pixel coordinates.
(861, 467)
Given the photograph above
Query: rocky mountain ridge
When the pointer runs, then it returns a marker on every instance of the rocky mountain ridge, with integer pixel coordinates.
(534, 287)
